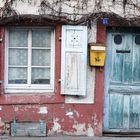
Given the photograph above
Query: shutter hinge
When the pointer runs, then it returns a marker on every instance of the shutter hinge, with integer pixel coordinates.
(0, 40)
(60, 38)
(59, 80)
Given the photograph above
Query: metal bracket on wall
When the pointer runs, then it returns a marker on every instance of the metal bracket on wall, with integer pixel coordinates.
(14, 127)
(42, 130)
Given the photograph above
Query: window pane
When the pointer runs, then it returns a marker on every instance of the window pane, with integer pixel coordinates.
(41, 57)
(41, 38)
(17, 76)
(18, 38)
(118, 39)
(18, 57)
(40, 76)
(137, 39)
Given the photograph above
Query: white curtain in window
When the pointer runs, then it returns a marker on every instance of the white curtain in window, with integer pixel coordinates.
(40, 57)
(18, 38)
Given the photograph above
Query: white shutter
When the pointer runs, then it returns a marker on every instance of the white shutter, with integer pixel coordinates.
(74, 60)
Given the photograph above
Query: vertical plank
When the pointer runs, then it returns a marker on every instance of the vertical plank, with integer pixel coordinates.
(72, 71)
(126, 112)
(117, 68)
(108, 62)
(117, 61)
(134, 111)
(116, 111)
(136, 61)
(127, 61)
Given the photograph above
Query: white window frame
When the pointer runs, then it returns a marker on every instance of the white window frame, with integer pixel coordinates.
(30, 88)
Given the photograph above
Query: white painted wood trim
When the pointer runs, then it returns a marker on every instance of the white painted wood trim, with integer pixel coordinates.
(83, 52)
(30, 88)
(29, 58)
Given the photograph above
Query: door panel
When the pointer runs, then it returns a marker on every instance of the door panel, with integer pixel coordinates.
(117, 68)
(122, 83)
(134, 111)
(117, 60)
(116, 111)
(127, 67)
(126, 111)
(136, 62)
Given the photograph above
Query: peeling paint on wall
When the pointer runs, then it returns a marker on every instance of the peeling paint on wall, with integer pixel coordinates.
(2, 126)
(69, 114)
(43, 110)
(80, 128)
(56, 127)
(77, 114)
(1, 123)
(95, 121)
(16, 108)
(90, 131)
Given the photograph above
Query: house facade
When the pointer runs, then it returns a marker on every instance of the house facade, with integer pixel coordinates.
(47, 84)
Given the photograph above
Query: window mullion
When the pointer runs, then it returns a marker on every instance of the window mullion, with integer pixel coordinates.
(29, 56)
(7, 61)
(52, 51)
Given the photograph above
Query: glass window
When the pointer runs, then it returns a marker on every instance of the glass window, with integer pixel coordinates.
(30, 58)
(118, 39)
(137, 39)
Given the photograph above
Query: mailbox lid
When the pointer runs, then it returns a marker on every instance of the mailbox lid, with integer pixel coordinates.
(98, 48)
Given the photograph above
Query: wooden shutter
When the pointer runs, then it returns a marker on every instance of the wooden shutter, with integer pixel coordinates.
(74, 60)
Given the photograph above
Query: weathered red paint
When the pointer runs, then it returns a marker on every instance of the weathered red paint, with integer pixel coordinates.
(99, 82)
(34, 98)
(82, 114)
(26, 107)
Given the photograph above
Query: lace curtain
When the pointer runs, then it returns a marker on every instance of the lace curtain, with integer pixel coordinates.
(24, 59)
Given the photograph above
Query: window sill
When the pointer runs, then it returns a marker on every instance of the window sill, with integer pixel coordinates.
(28, 91)
(31, 98)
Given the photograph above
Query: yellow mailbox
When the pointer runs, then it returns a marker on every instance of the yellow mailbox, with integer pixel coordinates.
(97, 54)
